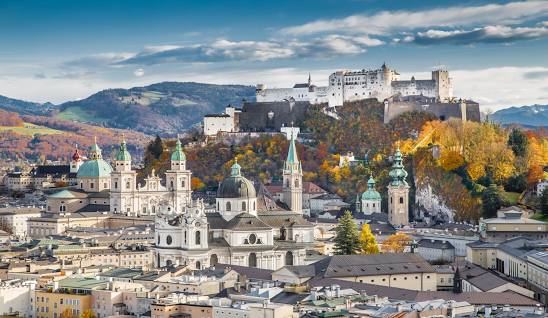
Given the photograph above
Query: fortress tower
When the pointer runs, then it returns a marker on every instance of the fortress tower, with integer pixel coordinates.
(444, 86)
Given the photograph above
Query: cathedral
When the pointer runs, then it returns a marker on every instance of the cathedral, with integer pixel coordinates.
(246, 229)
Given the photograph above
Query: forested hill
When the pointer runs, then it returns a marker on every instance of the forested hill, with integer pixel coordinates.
(163, 108)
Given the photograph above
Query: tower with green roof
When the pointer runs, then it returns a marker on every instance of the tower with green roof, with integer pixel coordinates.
(123, 183)
(370, 200)
(398, 193)
(292, 187)
(178, 178)
(94, 174)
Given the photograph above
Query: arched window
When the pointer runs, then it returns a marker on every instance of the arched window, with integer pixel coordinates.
(115, 184)
(183, 183)
(144, 209)
(296, 183)
(198, 265)
(254, 206)
(213, 260)
(127, 185)
(401, 200)
(169, 240)
(171, 184)
(252, 261)
(228, 206)
(158, 239)
(153, 209)
(244, 207)
(105, 185)
(185, 237)
(289, 258)
(198, 238)
(91, 185)
(81, 185)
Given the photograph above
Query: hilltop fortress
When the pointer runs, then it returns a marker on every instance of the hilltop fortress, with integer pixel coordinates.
(347, 86)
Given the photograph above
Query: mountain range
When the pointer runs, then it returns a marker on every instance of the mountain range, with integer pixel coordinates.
(164, 108)
(168, 108)
(527, 116)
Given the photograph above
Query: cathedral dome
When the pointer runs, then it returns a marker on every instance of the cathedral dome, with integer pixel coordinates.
(371, 193)
(94, 168)
(236, 186)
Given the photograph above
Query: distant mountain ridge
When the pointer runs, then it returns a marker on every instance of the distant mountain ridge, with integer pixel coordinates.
(528, 116)
(161, 108)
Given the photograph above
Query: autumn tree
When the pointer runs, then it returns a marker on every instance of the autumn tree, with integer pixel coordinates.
(88, 313)
(396, 243)
(368, 243)
(67, 313)
(347, 238)
(492, 201)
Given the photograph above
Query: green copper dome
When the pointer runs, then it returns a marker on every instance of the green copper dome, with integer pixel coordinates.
(123, 154)
(398, 173)
(371, 193)
(236, 186)
(178, 154)
(94, 168)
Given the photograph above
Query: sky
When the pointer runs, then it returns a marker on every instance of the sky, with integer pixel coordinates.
(57, 50)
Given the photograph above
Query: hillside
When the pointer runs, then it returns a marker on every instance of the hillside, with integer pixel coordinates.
(162, 108)
(24, 107)
(527, 116)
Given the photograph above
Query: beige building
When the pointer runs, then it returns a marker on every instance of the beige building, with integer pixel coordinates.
(398, 193)
(16, 218)
(512, 222)
(159, 310)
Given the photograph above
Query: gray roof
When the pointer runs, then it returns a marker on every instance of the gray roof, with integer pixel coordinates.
(437, 244)
(249, 272)
(302, 271)
(246, 221)
(279, 219)
(288, 298)
(376, 264)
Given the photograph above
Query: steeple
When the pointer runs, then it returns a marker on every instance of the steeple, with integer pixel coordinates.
(123, 153)
(235, 170)
(292, 178)
(398, 173)
(94, 151)
(178, 154)
(309, 79)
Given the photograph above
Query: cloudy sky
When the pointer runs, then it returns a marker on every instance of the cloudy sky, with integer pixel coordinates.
(497, 51)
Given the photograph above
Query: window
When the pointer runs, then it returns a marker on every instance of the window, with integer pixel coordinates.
(401, 200)
(127, 185)
(158, 243)
(183, 183)
(228, 206)
(169, 240)
(244, 207)
(171, 184)
(198, 238)
(91, 185)
(104, 185)
(252, 238)
(115, 184)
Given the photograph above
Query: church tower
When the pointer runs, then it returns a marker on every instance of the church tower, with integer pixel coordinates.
(292, 179)
(398, 193)
(123, 182)
(178, 179)
(76, 161)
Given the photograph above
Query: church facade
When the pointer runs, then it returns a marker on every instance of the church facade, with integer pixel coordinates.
(246, 229)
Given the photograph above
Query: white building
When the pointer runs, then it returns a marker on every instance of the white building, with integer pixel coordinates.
(242, 231)
(345, 86)
(436, 250)
(226, 122)
(541, 186)
(16, 219)
(15, 298)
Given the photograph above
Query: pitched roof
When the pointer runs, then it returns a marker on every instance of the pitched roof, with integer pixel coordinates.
(278, 219)
(249, 272)
(438, 244)
(302, 270)
(246, 221)
(480, 298)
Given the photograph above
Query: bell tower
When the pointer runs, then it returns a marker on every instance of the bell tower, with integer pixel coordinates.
(292, 179)
(398, 193)
(178, 178)
(123, 183)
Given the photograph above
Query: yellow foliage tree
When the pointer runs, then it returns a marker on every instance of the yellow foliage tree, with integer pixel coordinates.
(368, 244)
(451, 160)
(67, 313)
(396, 243)
(88, 313)
(475, 171)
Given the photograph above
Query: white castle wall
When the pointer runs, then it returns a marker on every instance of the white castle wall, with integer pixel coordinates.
(344, 86)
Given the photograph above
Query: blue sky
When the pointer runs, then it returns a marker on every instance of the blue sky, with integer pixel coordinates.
(497, 51)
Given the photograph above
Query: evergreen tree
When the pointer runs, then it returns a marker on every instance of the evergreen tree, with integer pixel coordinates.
(492, 201)
(544, 202)
(156, 147)
(368, 244)
(347, 238)
(516, 183)
(517, 140)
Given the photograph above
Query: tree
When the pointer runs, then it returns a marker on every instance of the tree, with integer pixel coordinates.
(516, 183)
(544, 202)
(67, 313)
(517, 140)
(492, 201)
(347, 236)
(396, 243)
(156, 147)
(88, 313)
(368, 244)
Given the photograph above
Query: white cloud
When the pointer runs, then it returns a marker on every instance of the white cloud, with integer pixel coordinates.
(488, 34)
(139, 72)
(387, 21)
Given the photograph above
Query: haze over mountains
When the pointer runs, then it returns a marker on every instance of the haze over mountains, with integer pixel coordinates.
(171, 107)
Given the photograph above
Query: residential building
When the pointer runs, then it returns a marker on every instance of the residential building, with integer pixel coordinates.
(512, 222)
(436, 250)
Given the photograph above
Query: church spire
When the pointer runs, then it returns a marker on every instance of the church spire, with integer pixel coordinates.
(398, 173)
(123, 153)
(178, 154)
(292, 157)
(95, 151)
